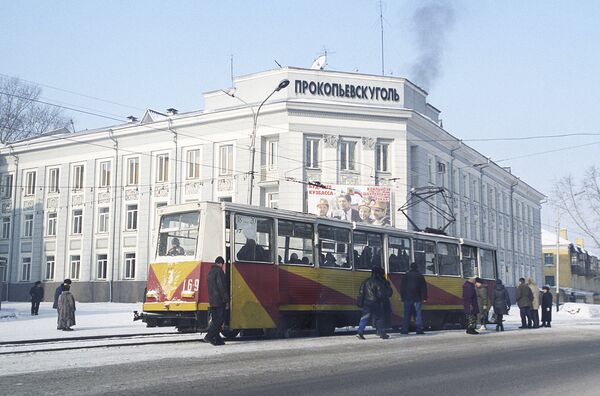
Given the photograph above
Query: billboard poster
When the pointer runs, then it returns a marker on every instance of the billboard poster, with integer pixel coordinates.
(362, 204)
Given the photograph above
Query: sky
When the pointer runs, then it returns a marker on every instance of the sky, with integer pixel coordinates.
(495, 69)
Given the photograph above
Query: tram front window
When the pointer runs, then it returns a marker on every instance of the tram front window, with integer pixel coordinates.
(178, 234)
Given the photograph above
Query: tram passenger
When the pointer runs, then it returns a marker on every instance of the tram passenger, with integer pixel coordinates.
(251, 251)
(482, 302)
(176, 249)
(370, 298)
(330, 260)
(524, 300)
(394, 263)
(471, 308)
(501, 304)
(218, 299)
(294, 259)
(413, 292)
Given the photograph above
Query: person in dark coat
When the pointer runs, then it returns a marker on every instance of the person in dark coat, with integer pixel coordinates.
(471, 308)
(482, 302)
(66, 309)
(58, 291)
(370, 298)
(413, 292)
(386, 305)
(524, 301)
(218, 299)
(546, 307)
(501, 303)
(37, 295)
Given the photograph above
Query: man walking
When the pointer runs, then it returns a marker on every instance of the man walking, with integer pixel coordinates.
(37, 295)
(482, 302)
(218, 298)
(413, 291)
(470, 306)
(524, 300)
(535, 303)
(370, 298)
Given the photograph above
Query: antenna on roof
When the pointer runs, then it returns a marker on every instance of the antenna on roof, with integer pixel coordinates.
(231, 68)
(381, 23)
(275, 60)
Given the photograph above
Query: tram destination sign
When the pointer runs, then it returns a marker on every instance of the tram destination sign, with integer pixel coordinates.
(361, 204)
(332, 89)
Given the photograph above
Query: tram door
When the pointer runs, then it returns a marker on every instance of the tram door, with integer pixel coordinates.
(254, 276)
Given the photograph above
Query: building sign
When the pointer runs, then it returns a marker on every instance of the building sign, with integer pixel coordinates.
(346, 91)
(362, 204)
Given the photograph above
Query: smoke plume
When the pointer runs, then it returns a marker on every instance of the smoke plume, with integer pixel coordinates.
(432, 21)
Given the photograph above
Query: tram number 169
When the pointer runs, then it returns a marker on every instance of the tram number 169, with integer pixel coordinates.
(191, 284)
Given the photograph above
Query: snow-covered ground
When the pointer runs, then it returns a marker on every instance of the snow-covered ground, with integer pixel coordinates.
(95, 319)
(16, 322)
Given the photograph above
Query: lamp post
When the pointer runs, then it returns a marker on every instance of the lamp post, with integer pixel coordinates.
(282, 84)
(557, 259)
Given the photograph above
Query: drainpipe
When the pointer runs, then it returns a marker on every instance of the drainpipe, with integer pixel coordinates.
(512, 228)
(481, 192)
(176, 156)
(453, 184)
(13, 220)
(114, 216)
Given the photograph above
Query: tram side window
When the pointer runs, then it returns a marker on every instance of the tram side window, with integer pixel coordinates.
(295, 243)
(399, 250)
(367, 250)
(425, 256)
(253, 238)
(488, 260)
(334, 246)
(178, 234)
(469, 261)
(448, 260)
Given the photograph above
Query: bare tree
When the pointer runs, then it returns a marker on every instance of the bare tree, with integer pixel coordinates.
(581, 201)
(21, 115)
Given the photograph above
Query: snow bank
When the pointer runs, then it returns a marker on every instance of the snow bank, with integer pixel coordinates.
(587, 311)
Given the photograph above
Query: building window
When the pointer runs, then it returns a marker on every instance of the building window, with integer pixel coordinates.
(49, 275)
(28, 226)
(30, 183)
(103, 219)
(162, 168)
(77, 222)
(7, 186)
(312, 153)
(381, 157)
(105, 170)
(77, 177)
(272, 154)
(129, 265)
(549, 280)
(5, 227)
(132, 214)
(348, 156)
(133, 171)
(549, 259)
(272, 200)
(193, 164)
(26, 269)
(226, 160)
(51, 224)
(53, 180)
(102, 261)
(75, 266)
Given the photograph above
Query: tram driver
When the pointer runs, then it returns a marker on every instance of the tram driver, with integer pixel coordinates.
(176, 249)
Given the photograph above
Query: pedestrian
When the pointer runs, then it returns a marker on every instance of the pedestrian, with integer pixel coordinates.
(37, 295)
(470, 306)
(386, 305)
(58, 291)
(218, 300)
(370, 298)
(482, 303)
(66, 309)
(546, 307)
(535, 303)
(524, 300)
(501, 304)
(413, 292)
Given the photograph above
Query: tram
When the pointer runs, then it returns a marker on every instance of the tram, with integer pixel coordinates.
(289, 270)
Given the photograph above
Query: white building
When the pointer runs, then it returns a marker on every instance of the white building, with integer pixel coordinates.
(82, 205)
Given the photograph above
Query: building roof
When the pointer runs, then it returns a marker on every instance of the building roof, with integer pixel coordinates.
(549, 239)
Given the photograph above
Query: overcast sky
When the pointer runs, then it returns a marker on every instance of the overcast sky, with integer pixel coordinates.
(494, 69)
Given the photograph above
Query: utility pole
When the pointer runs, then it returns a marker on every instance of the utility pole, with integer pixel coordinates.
(557, 259)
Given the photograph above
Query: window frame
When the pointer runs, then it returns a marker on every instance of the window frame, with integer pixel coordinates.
(30, 180)
(103, 220)
(162, 168)
(320, 254)
(394, 245)
(131, 217)
(285, 260)
(6, 226)
(425, 242)
(272, 239)
(272, 154)
(133, 171)
(102, 266)
(25, 269)
(7, 185)
(312, 152)
(54, 180)
(77, 222)
(50, 264)
(104, 174)
(347, 155)
(78, 177)
(193, 163)
(439, 256)
(28, 219)
(225, 159)
(75, 266)
(51, 222)
(367, 234)
(129, 266)
(382, 157)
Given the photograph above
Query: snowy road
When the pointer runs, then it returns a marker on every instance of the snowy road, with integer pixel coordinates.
(563, 359)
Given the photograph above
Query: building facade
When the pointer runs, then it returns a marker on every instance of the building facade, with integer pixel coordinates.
(579, 270)
(83, 205)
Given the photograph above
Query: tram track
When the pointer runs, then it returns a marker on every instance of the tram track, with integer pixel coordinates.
(93, 342)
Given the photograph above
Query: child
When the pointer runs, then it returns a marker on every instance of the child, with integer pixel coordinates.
(546, 307)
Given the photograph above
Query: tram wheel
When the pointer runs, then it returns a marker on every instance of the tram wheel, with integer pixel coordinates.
(325, 325)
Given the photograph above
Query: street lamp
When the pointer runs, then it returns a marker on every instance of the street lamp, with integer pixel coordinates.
(282, 84)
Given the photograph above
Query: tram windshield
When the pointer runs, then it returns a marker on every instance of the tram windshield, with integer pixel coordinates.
(178, 234)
